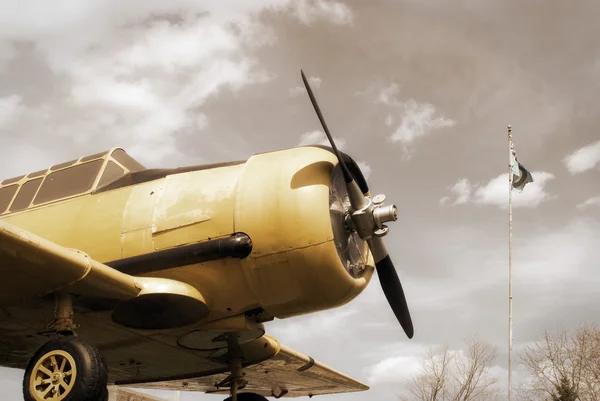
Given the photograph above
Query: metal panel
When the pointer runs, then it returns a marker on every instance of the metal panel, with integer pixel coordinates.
(195, 206)
(136, 229)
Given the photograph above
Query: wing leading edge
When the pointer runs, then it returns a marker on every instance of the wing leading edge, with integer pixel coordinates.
(287, 373)
(35, 267)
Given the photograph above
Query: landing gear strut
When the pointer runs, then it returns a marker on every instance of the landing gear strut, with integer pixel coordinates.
(236, 379)
(66, 368)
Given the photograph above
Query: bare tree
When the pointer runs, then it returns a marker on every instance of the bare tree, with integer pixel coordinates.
(558, 359)
(432, 383)
(456, 376)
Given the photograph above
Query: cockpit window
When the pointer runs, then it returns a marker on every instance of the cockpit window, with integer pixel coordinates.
(6, 195)
(26, 194)
(68, 182)
(127, 161)
(65, 180)
(111, 173)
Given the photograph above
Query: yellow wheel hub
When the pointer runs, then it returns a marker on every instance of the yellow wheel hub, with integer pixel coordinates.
(53, 376)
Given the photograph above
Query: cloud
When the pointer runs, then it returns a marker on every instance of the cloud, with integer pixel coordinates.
(315, 83)
(365, 168)
(462, 190)
(583, 159)
(332, 11)
(7, 53)
(418, 120)
(412, 119)
(10, 109)
(329, 324)
(495, 192)
(137, 76)
(560, 256)
(390, 363)
(393, 370)
(318, 137)
(594, 201)
(389, 120)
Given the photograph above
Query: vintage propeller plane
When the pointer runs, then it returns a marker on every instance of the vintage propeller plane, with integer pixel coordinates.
(164, 278)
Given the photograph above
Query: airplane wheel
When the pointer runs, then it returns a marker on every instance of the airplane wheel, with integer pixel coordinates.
(66, 369)
(248, 397)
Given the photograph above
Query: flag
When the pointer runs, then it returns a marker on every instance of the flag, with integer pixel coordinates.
(521, 176)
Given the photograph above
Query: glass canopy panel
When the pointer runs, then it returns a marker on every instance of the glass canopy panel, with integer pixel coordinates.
(6, 195)
(127, 161)
(26, 194)
(68, 182)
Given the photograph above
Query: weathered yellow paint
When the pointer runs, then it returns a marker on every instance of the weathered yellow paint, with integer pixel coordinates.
(89, 223)
(139, 210)
(294, 266)
(285, 207)
(138, 242)
(136, 228)
(195, 205)
(279, 199)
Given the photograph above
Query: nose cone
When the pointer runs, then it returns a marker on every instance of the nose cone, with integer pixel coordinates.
(384, 214)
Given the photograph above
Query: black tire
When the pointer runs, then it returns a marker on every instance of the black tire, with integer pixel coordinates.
(91, 373)
(248, 397)
(105, 395)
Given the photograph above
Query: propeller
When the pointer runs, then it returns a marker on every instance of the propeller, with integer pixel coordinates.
(368, 216)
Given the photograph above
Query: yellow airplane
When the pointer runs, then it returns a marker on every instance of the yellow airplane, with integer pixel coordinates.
(163, 278)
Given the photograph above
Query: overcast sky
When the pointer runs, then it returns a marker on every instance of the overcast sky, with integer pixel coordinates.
(420, 92)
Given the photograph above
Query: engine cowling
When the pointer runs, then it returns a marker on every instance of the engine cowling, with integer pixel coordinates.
(303, 258)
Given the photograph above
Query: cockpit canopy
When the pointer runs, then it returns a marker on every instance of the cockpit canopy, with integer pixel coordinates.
(65, 180)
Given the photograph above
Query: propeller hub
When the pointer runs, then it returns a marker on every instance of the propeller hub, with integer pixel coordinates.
(370, 220)
(383, 214)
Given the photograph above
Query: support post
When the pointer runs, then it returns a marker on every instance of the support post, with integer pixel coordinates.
(63, 314)
(235, 363)
(510, 184)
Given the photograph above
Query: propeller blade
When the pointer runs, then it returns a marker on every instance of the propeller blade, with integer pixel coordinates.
(357, 199)
(391, 286)
(347, 175)
(388, 277)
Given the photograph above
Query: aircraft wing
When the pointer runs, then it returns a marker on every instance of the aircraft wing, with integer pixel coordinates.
(33, 267)
(287, 373)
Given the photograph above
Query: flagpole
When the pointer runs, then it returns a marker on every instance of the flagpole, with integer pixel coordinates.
(510, 183)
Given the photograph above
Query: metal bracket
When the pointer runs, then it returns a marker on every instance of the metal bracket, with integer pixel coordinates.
(382, 232)
(282, 392)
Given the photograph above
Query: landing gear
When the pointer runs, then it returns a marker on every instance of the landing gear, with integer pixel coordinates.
(235, 364)
(236, 378)
(66, 368)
